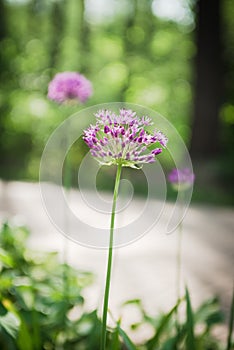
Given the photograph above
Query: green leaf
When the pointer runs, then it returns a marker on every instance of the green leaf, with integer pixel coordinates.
(6, 258)
(170, 344)
(10, 323)
(24, 340)
(3, 310)
(115, 343)
(127, 341)
(209, 312)
(153, 342)
(190, 339)
(132, 301)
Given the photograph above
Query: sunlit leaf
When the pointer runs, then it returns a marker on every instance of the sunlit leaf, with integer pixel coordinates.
(10, 323)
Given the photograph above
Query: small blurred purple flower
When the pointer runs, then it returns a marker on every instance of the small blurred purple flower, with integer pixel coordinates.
(122, 139)
(181, 179)
(69, 86)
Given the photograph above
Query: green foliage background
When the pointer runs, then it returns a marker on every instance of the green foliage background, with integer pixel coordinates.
(42, 307)
(128, 53)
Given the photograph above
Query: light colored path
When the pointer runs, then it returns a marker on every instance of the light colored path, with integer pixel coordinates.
(145, 269)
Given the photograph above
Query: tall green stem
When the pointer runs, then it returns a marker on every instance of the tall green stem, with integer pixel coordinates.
(67, 186)
(110, 253)
(179, 258)
(231, 322)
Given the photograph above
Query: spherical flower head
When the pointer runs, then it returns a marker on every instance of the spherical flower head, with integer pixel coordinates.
(181, 179)
(69, 87)
(123, 139)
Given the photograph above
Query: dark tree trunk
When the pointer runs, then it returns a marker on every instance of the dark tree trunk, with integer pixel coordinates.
(205, 132)
(2, 20)
(3, 69)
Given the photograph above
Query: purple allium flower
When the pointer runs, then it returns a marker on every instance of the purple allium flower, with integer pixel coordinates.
(69, 86)
(181, 179)
(122, 139)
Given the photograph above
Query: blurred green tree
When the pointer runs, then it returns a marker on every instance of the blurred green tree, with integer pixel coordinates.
(131, 52)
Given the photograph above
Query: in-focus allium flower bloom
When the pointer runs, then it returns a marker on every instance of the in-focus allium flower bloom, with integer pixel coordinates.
(69, 86)
(181, 179)
(123, 139)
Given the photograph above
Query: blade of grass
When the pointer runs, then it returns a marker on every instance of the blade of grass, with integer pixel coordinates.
(209, 313)
(231, 323)
(153, 342)
(127, 341)
(190, 339)
(116, 344)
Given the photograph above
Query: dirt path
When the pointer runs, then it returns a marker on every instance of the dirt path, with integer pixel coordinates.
(147, 268)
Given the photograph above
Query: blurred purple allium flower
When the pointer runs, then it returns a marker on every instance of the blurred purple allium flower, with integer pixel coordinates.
(122, 139)
(69, 86)
(181, 179)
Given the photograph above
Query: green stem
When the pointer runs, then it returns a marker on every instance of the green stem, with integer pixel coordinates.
(231, 322)
(110, 253)
(179, 258)
(178, 266)
(67, 187)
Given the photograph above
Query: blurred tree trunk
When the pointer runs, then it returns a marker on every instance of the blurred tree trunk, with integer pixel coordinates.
(147, 22)
(3, 69)
(2, 20)
(57, 20)
(3, 35)
(137, 43)
(74, 30)
(128, 47)
(84, 40)
(205, 131)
